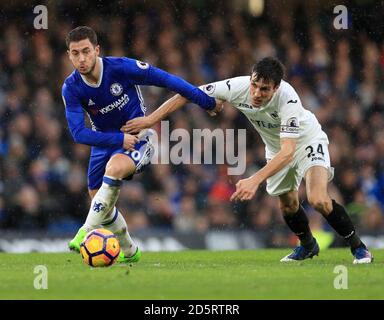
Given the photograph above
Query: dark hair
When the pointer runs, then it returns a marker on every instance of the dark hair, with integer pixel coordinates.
(81, 33)
(269, 69)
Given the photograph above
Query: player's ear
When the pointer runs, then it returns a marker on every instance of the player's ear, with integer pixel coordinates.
(97, 49)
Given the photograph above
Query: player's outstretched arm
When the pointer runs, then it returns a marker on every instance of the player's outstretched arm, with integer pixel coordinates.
(141, 73)
(168, 107)
(246, 188)
(140, 123)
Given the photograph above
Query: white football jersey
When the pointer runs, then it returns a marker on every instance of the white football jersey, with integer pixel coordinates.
(282, 117)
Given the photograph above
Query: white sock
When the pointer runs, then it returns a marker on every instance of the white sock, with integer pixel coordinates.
(116, 224)
(102, 203)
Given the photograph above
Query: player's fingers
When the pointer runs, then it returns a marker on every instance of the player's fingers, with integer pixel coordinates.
(134, 139)
(131, 129)
(129, 126)
(135, 122)
(241, 196)
(246, 197)
(134, 127)
(130, 123)
(237, 195)
(233, 196)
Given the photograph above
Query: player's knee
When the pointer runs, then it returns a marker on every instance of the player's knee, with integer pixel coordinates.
(321, 204)
(119, 167)
(114, 170)
(290, 207)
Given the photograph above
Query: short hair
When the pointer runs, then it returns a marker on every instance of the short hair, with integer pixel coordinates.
(269, 69)
(81, 33)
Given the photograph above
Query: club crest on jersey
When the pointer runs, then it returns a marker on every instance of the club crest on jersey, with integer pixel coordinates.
(210, 88)
(116, 89)
(274, 115)
(142, 65)
(292, 122)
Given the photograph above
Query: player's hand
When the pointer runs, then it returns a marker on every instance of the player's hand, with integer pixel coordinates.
(130, 141)
(136, 125)
(219, 107)
(245, 189)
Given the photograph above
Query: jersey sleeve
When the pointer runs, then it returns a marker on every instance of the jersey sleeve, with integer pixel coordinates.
(219, 90)
(80, 133)
(291, 114)
(142, 73)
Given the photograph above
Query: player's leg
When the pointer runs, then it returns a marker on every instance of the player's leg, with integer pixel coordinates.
(296, 219)
(118, 167)
(99, 168)
(317, 178)
(96, 169)
(103, 211)
(74, 244)
(104, 180)
(285, 184)
(115, 222)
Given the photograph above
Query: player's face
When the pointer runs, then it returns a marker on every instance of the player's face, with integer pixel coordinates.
(83, 55)
(261, 91)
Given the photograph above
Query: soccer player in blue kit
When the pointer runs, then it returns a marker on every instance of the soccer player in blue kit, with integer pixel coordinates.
(107, 89)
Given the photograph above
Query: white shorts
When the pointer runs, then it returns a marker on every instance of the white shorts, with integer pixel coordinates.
(307, 156)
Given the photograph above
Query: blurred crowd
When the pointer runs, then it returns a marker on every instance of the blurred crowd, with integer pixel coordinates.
(339, 75)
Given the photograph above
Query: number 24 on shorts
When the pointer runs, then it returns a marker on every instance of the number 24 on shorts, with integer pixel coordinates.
(319, 150)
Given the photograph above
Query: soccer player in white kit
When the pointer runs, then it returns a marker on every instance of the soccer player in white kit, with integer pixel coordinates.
(295, 146)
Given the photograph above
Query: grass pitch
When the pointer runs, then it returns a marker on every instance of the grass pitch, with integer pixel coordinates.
(237, 275)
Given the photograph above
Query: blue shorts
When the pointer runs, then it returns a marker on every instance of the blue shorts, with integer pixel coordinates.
(141, 156)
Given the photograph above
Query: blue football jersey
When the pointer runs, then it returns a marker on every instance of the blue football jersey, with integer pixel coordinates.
(117, 99)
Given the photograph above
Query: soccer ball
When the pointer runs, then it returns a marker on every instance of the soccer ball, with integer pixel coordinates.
(100, 248)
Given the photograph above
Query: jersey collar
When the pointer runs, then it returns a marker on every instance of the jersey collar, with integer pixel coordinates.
(100, 79)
